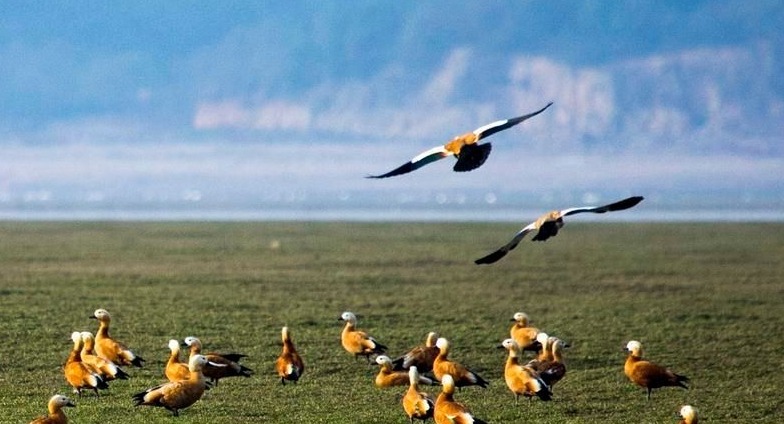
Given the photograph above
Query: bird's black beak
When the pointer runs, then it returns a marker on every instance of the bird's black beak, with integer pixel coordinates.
(70, 403)
(500, 346)
(92, 317)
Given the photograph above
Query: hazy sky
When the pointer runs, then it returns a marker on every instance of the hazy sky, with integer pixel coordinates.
(111, 102)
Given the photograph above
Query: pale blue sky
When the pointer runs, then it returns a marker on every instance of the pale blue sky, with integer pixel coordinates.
(146, 103)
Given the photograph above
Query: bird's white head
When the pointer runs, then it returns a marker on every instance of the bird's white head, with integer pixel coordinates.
(447, 383)
(76, 337)
(383, 360)
(102, 315)
(349, 317)
(688, 412)
(510, 345)
(174, 345)
(413, 374)
(542, 338)
(634, 346)
(192, 341)
(86, 336)
(521, 318)
(197, 362)
(61, 401)
(442, 343)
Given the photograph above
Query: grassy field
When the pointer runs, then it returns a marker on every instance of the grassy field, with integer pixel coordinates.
(705, 299)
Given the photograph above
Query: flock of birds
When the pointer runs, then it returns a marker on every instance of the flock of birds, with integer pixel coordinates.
(96, 360)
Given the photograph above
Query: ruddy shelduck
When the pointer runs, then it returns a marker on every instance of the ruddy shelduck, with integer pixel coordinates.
(461, 375)
(549, 224)
(56, 414)
(220, 365)
(688, 415)
(107, 369)
(647, 374)
(388, 377)
(177, 395)
(109, 348)
(78, 374)
(522, 332)
(357, 342)
(421, 356)
(447, 410)
(466, 148)
(551, 368)
(176, 370)
(522, 379)
(418, 405)
(289, 364)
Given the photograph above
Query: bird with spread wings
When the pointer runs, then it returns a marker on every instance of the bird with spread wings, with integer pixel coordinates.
(549, 224)
(470, 154)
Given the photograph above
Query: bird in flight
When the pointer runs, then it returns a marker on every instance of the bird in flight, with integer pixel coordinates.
(549, 224)
(470, 154)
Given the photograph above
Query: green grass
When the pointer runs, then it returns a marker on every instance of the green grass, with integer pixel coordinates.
(705, 299)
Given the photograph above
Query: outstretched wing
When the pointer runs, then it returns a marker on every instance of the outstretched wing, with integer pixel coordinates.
(500, 253)
(617, 206)
(494, 127)
(417, 162)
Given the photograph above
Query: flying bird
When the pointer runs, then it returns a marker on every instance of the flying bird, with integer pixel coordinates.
(549, 224)
(470, 154)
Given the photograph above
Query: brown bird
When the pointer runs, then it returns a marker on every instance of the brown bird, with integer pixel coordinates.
(523, 334)
(356, 342)
(107, 347)
(417, 404)
(388, 377)
(56, 414)
(552, 368)
(78, 374)
(421, 356)
(470, 154)
(647, 374)
(176, 395)
(689, 415)
(176, 370)
(549, 224)
(107, 369)
(521, 379)
(461, 375)
(289, 364)
(219, 365)
(447, 410)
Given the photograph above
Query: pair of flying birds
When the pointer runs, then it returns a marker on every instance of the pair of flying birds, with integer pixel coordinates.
(471, 154)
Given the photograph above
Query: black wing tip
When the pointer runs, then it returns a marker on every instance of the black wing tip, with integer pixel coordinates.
(491, 258)
(402, 169)
(627, 203)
